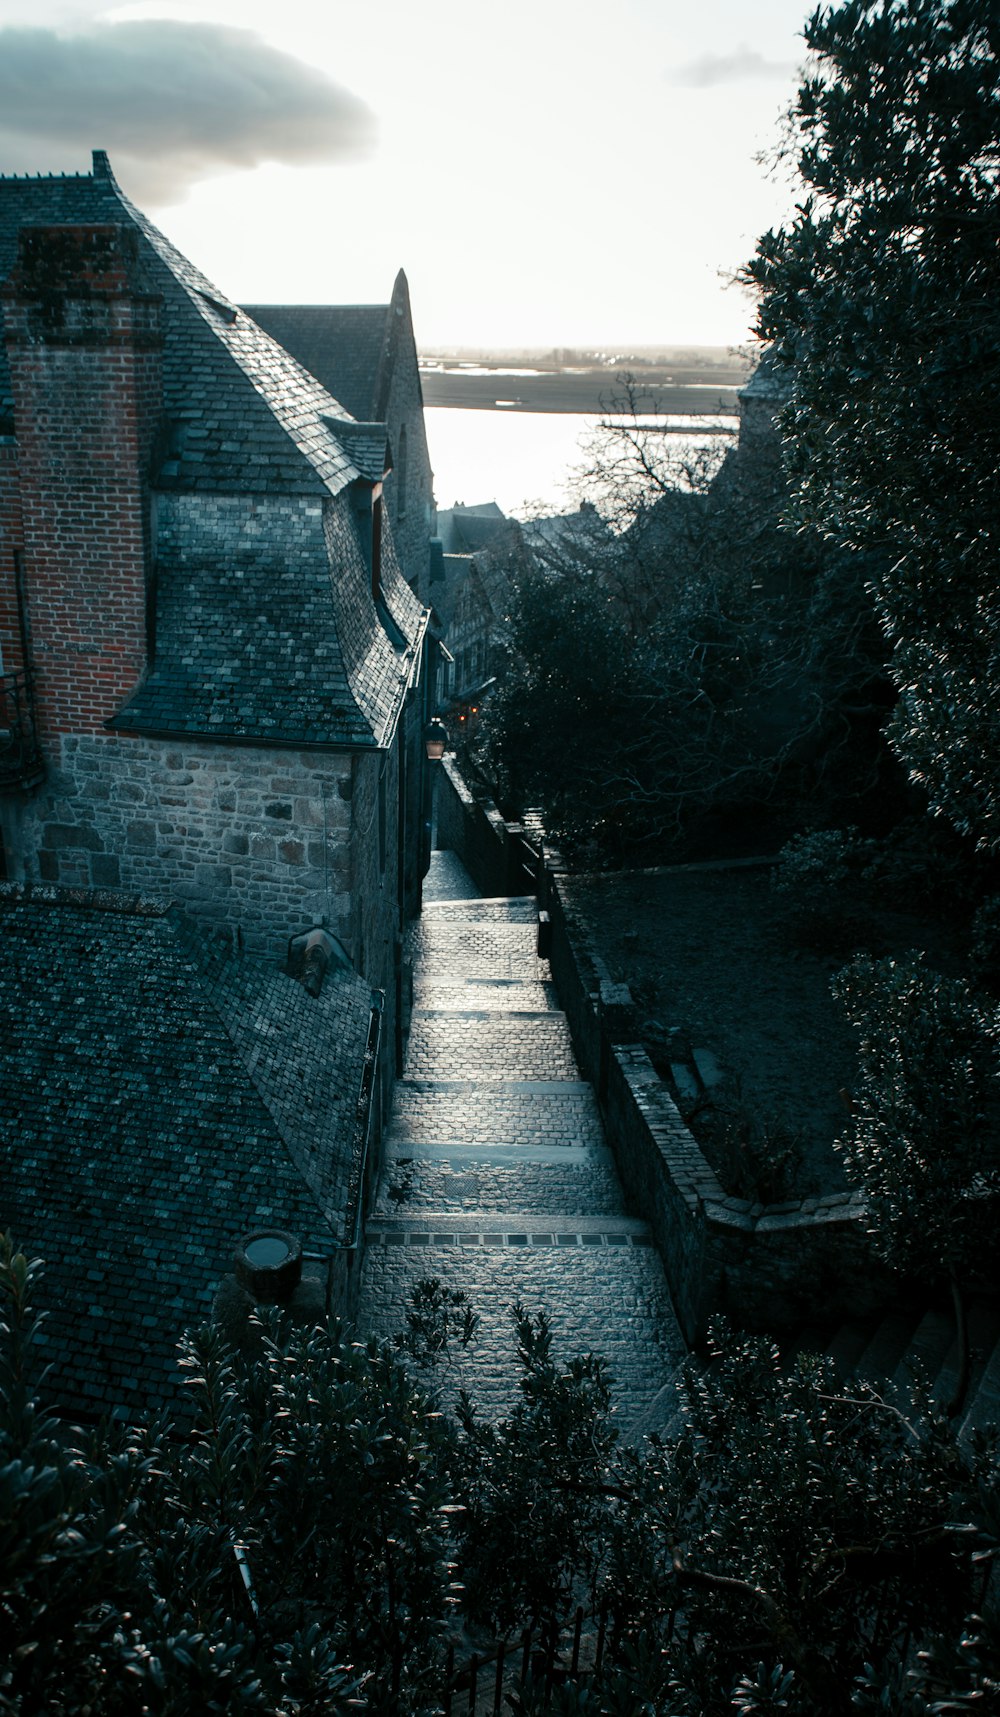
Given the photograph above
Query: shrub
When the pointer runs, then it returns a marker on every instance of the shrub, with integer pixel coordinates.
(923, 1137)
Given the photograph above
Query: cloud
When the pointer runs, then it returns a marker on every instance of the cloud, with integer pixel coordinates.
(172, 103)
(738, 67)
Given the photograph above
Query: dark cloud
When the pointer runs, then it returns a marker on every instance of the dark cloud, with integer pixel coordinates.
(171, 102)
(738, 67)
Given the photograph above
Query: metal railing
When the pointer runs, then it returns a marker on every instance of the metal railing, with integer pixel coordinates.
(21, 762)
(547, 1657)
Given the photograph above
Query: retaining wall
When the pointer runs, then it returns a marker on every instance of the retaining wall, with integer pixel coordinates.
(770, 1267)
(470, 825)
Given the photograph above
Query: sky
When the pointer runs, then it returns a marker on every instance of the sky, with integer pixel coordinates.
(548, 172)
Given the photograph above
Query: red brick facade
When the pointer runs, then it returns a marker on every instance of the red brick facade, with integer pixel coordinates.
(84, 349)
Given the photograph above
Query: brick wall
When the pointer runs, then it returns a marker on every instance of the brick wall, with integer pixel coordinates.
(11, 542)
(84, 348)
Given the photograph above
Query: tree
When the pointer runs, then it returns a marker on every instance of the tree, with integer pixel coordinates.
(923, 1142)
(880, 301)
(678, 657)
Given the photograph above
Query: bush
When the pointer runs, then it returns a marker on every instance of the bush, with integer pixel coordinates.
(822, 881)
(923, 1140)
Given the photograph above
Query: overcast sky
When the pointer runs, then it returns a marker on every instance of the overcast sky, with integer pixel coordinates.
(548, 172)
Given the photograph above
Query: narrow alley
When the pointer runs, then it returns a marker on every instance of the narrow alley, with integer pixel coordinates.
(497, 1177)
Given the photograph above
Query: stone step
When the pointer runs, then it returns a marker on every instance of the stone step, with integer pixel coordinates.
(886, 1346)
(466, 1112)
(604, 1294)
(509, 909)
(565, 1184)
(478, 949)
(496, 995)
(443, 1228)
(490, 1045)
(927, 1351)
(984, 1403)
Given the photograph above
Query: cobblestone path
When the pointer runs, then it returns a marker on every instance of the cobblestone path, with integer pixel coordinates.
(497, 1177)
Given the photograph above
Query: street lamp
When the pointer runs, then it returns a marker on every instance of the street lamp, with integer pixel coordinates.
(435, 739)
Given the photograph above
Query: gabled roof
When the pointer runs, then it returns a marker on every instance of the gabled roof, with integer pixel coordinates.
(343, 345)
(159, 1099)
(464, 529)
(245, 416)
(350, 348)
(283, 646)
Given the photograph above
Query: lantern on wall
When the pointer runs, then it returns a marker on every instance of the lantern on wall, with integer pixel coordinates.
(435, 739)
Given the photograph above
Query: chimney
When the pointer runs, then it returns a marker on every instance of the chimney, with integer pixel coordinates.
(84, 345)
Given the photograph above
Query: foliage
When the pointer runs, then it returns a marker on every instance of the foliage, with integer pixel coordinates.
(676, 655)
(793, 1546)
(793, 1532)
(879, 300)
(314, 1456)
(756, 1156)
(923, 1136)
(532, 1487)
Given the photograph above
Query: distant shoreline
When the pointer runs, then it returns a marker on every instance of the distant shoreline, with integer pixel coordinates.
(575, 392)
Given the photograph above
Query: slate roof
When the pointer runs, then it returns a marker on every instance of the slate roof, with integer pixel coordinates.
(464, 529)
(159, 1099)
(246, 648)
(345, 346)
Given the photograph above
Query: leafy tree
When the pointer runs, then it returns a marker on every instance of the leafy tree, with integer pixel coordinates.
(923, 1140)
(533, 1488)
(677, 657)
(879, 299)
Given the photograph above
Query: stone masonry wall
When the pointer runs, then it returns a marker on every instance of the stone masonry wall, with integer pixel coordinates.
(473, 828)
(244, 839)
(768, 1266)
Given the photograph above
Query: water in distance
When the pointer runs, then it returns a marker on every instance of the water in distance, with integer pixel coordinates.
(526, 460)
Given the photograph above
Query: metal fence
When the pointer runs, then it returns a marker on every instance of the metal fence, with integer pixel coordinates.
(545, 1657)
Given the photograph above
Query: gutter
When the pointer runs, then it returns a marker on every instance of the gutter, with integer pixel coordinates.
(362, 1151)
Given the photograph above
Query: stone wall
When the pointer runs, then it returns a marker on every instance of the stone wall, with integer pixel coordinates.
(470, 825)
(244, 839)
(769, 1266)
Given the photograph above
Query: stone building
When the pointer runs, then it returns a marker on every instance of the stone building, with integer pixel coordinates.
(214, 678)
(365, 355)
(473, 576)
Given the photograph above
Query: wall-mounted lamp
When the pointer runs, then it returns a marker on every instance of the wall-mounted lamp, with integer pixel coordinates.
(435, 739)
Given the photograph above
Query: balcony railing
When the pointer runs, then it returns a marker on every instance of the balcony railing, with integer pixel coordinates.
(20, 753)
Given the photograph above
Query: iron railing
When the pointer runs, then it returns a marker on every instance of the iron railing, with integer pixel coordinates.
(21, 762)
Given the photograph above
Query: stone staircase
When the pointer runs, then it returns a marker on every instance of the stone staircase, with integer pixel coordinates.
(497, 1179)
(914, 1339)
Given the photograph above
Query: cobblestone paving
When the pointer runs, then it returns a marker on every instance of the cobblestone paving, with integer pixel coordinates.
(500, 995)
(497, 1178)
(507, 1115)
(490, 1045)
